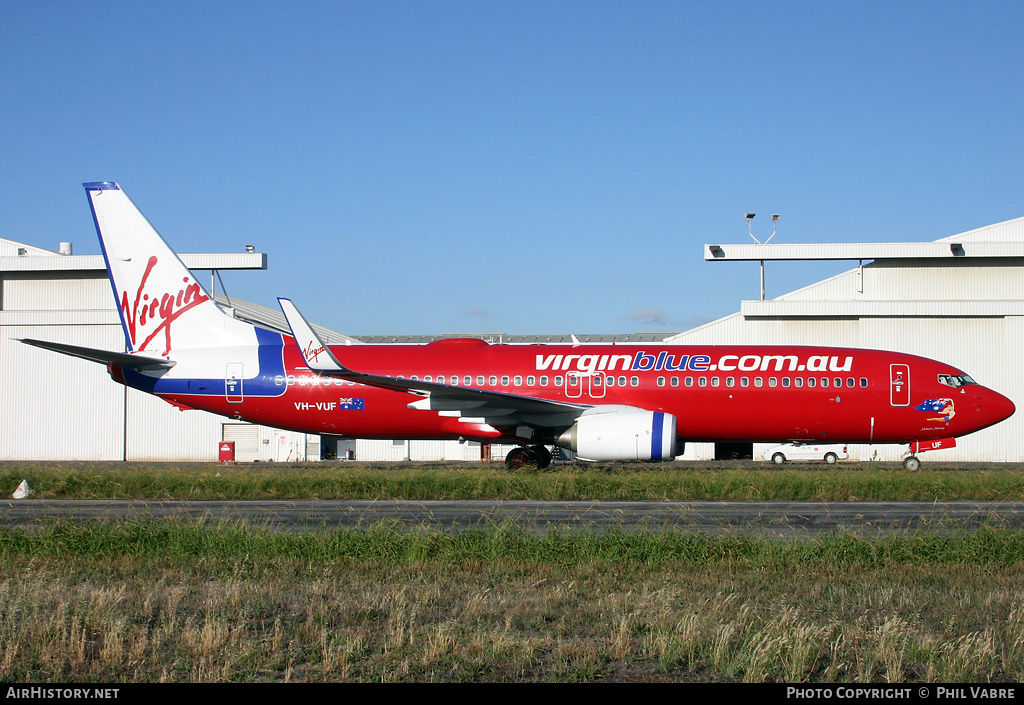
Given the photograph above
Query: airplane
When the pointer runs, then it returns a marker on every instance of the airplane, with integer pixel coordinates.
(604, 402)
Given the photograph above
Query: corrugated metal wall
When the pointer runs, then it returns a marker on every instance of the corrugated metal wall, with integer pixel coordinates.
(55, 407)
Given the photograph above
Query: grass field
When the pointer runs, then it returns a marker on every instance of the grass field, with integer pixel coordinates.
(173, 601)
(725, 481)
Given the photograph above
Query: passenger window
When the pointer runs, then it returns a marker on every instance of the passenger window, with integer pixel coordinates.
(661, 381)
(689, 381)
(864, 382)
(531, 381)
(611, 382)
(558, 381)
(838, 381)
(798, 381)
(730, 381)
(544, 381)
(824, 381)
(518, 381)
(758, 382)
(675, 382)
(812, 381)
(479, 380)
(744, 381)
(702, 381)
(504, 380)
(785, 381)
(622, 381)
(850, 382)
(634, 381)
(714, 381)
(772, 382)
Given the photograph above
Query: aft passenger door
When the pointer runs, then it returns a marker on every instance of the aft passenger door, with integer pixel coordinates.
(233, 383)
(899, 385)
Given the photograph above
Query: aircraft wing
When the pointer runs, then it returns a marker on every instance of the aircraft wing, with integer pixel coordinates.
(106, 357)
(467, 404)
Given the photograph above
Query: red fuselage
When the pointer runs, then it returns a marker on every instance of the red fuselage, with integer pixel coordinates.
(717, 393)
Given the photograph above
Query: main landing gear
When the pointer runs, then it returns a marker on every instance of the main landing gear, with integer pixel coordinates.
(528, 456)
(912, 464)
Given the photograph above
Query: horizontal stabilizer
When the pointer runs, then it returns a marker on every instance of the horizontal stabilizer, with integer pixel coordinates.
(106, 357)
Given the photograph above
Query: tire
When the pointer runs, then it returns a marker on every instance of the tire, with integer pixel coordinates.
(831, 458)
(520, 458)
(778, 458)
(912, 464)
(542, 456)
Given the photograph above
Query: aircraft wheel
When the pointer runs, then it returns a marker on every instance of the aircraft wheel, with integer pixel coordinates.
(519, 458)
(912, 464)
(831, 458)
(778, 458)
(542, 455)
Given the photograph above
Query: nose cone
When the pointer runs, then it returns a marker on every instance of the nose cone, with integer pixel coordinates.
(993, 407)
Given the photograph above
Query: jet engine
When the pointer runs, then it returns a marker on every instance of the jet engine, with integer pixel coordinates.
(614, 432)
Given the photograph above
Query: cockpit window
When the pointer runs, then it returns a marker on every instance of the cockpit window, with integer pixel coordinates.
(955, 380)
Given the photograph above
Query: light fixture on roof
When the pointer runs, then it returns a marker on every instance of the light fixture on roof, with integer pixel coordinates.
(775, 226)
(750, 227)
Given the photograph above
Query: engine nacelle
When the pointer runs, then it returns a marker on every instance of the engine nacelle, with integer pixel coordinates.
(615, 432)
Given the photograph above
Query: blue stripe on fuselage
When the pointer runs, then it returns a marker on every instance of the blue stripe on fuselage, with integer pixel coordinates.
(271, 361)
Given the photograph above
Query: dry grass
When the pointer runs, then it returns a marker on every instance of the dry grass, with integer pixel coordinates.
(129, 620)
(164, 603)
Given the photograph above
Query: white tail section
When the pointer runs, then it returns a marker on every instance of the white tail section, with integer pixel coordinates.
(161, 304)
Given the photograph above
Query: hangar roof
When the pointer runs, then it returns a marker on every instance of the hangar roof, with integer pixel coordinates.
(19, 257)
(1002, 240)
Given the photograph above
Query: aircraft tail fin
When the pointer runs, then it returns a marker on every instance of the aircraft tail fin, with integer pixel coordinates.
(161, 304)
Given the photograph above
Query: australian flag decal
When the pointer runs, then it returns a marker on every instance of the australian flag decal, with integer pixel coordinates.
(352, 404)
(943, 407)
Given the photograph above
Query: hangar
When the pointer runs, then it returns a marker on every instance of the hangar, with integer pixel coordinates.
(54, 407)
(959, 299)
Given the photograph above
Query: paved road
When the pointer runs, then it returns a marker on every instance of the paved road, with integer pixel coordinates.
(781, 519)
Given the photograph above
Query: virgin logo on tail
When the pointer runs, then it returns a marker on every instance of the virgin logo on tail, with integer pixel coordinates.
(149, 315)
(312, 352)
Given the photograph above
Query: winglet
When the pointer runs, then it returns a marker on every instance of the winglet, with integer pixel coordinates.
(315, 352)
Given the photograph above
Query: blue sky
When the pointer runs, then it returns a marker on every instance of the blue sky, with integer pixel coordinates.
(521, 167)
